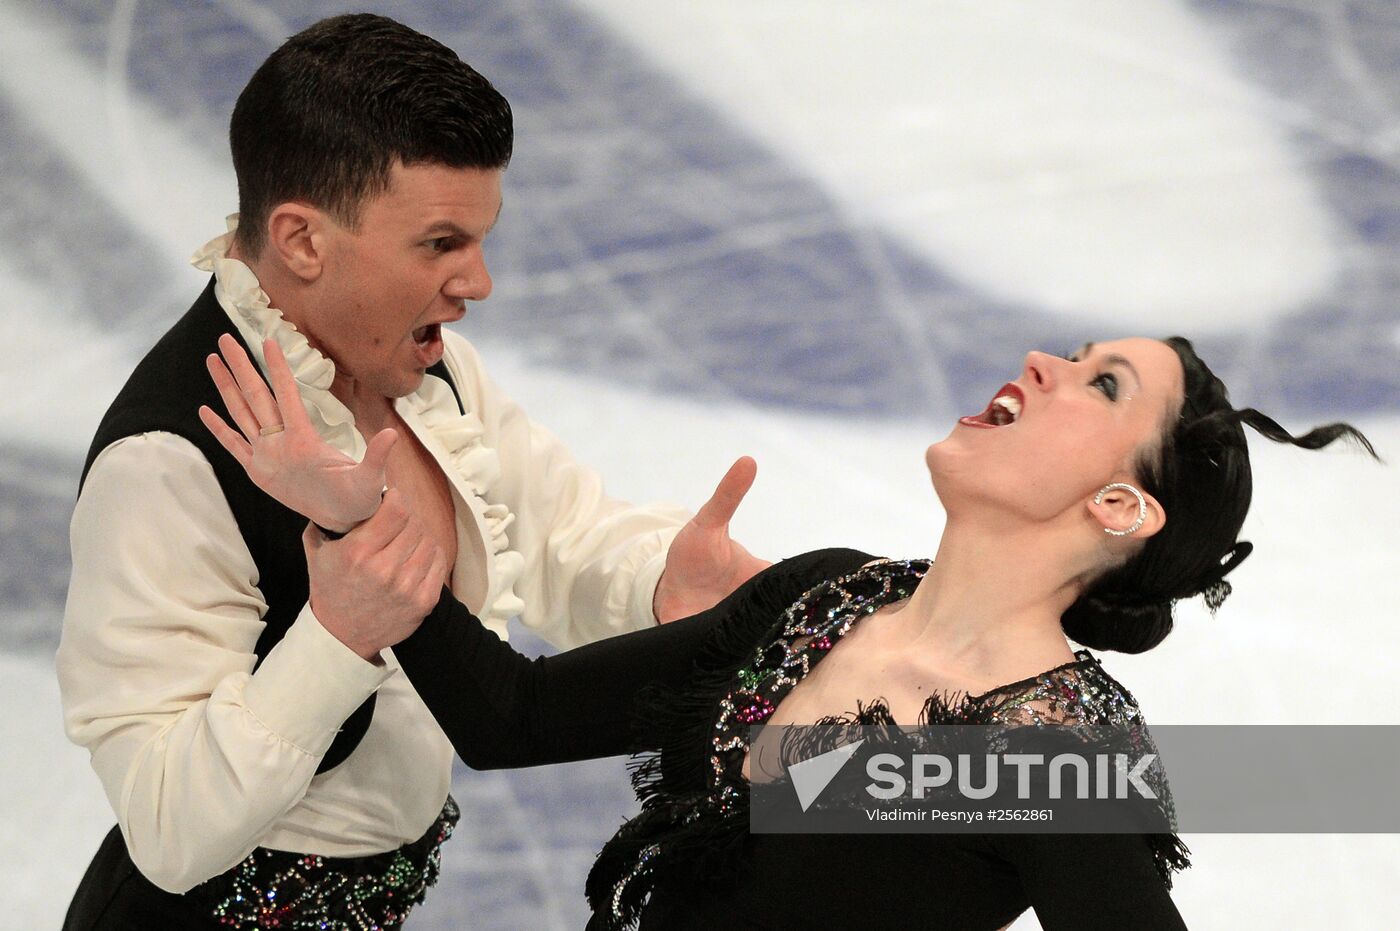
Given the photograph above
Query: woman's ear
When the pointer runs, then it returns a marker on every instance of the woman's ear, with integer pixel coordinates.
(295, 234)
(1116, 509)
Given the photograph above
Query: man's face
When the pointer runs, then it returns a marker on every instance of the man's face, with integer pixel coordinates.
(413, 261)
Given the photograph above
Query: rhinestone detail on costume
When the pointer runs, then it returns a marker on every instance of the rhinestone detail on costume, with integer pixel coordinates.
(277, 889)
(1079, 692)
(825, 613)
(814, 624)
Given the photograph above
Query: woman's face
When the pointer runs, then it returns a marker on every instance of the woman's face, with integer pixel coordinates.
(1062, 430)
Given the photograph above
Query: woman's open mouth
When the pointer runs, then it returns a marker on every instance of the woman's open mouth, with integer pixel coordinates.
(428, 341)
(1004, 409)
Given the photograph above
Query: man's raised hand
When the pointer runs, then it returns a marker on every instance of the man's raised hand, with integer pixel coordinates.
(704, 564)
(292, 464)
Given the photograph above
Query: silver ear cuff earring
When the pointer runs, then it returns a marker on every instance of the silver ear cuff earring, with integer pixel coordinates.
(1142, 507)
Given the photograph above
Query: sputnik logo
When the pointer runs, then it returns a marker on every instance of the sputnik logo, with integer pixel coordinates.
(811, 776)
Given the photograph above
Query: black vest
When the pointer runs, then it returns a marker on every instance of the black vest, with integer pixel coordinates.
(164, 394)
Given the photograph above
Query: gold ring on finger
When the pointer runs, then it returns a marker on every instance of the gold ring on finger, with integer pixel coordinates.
(272, 428)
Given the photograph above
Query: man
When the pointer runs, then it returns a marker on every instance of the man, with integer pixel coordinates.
(265, 760)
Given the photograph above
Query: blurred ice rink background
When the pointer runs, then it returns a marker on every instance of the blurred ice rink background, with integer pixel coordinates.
(813, 231)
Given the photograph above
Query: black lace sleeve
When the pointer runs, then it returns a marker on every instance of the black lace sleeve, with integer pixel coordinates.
(501, 709)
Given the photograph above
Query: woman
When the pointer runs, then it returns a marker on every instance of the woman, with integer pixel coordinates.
(1091, 494)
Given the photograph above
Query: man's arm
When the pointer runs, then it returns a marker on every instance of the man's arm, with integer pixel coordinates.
(198, 754)
(592, 562)
(585, 565)
(704, 564)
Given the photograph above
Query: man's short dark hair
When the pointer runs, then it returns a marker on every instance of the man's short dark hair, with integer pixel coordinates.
(325, 118)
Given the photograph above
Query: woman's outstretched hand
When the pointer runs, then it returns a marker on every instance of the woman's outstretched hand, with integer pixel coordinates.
(292, 464)
(703, 564)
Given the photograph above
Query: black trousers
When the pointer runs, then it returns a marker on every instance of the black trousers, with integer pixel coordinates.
(114, 896)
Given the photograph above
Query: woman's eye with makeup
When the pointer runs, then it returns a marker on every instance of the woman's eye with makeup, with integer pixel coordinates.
(1108, 384)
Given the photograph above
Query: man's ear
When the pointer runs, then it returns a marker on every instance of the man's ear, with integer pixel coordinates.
(296, 234)
(1118, 509)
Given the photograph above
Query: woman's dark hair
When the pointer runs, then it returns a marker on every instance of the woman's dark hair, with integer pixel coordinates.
(326, 116)
(1200, 474)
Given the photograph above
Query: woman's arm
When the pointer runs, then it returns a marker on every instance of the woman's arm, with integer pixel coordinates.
(501, 709)
(1086, 882)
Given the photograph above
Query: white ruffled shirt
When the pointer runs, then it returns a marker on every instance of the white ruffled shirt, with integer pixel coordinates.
(204, 759)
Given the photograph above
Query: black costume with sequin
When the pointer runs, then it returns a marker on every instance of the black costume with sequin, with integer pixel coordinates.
(690, 689)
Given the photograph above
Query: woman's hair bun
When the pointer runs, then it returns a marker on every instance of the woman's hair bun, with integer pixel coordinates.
(1200, 475)
(1102, 625)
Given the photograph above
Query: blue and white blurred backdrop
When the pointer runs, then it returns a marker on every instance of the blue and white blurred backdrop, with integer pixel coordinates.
(813, 231)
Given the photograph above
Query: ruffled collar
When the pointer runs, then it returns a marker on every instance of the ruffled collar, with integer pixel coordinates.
(456, 437)
(477, 466)
(251, 310)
